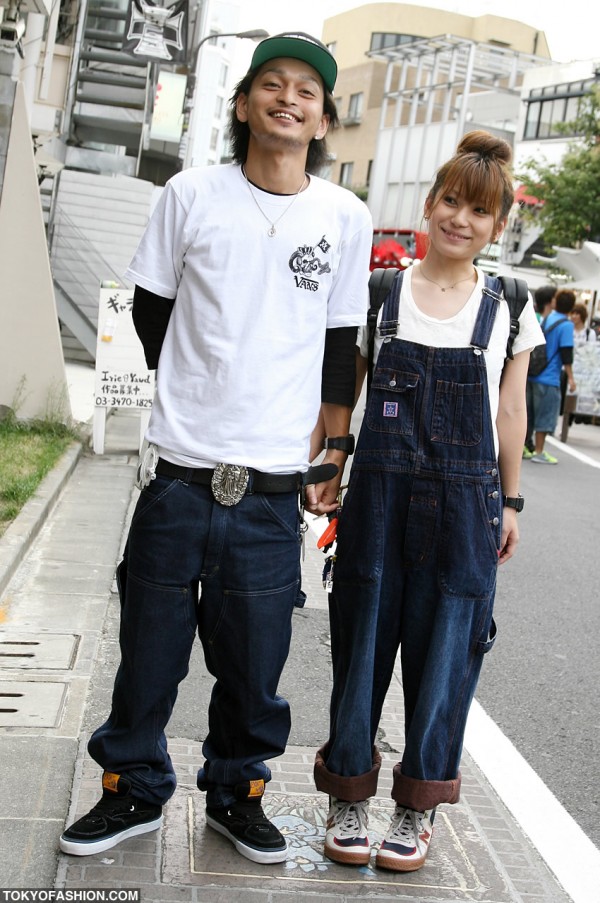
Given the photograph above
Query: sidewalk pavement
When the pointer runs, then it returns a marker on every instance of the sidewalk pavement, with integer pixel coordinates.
(58, 620)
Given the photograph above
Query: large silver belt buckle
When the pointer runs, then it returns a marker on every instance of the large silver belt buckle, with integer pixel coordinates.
(229, 483)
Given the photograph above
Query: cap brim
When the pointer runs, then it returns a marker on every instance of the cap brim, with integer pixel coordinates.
(298, 48)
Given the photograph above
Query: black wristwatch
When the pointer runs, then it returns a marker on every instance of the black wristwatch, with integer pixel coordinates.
(341, 443)
(511, 502)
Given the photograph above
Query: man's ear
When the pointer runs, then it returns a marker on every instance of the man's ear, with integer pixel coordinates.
(323, 126)
(241, 108)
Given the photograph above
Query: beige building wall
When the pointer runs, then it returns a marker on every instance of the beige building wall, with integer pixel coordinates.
(349, 35)
(32, 371)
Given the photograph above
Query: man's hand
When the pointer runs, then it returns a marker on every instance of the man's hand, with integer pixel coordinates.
(321, 498)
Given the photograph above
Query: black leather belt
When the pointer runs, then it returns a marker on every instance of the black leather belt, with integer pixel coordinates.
(258, 480)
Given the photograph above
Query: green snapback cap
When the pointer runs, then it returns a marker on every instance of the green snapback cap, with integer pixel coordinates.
(299, 46)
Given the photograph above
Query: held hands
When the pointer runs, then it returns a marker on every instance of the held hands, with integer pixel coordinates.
(321, 498)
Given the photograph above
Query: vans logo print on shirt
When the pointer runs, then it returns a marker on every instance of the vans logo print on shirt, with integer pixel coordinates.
(304, 263)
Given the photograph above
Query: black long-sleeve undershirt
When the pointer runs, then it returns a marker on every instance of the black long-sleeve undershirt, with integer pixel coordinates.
(151, 314)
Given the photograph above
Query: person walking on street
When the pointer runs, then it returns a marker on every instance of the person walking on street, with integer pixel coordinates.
(542, 299)
(251, 281)
(544, 390)
(430, 511)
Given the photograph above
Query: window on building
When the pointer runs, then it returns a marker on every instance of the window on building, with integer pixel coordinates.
(550, 106)
(218, 107)
(214, 139)
(382, 39)
(369, 171)
(346, 170)
(355, 106)
(223, 75)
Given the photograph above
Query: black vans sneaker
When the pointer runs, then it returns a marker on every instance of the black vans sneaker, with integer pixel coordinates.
(115, 817)
(245, 824)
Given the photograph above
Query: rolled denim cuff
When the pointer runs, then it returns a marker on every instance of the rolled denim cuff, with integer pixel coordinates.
(421, 795)
(350, 789)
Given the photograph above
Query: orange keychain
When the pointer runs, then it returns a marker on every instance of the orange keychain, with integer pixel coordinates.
(329, 534)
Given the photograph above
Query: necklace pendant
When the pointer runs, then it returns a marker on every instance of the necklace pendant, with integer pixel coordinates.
(443, 289)
(271, 232)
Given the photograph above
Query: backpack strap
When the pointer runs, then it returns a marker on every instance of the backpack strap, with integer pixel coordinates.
(516, 293)
(380, 285)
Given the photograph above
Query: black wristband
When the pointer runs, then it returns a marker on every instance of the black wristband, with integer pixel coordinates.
(341, 443)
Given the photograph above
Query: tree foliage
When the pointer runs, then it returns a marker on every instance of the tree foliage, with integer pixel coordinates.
(570, 190)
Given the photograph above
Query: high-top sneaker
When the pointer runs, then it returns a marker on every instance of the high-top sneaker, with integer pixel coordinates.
(117, 815)
(245, 824)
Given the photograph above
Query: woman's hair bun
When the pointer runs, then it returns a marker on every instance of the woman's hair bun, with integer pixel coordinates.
(486, 145)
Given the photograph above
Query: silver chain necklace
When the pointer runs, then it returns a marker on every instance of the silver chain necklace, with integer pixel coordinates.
(272, 231)
(447, 287)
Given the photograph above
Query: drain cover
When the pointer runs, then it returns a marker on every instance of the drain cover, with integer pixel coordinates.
(40, 650)
(31, 703)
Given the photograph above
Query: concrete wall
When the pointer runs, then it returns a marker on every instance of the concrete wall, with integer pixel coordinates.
(31, 362)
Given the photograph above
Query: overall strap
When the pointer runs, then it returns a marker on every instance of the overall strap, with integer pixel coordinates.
(384, 284)
(486, 315)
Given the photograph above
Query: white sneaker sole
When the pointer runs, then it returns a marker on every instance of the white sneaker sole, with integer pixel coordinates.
(263, 857)
(89, 847)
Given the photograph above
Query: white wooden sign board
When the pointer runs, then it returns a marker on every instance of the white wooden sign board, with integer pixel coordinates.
(123, 381)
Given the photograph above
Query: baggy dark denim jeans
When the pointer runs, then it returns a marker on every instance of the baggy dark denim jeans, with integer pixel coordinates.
(417, 556)
(245, 560)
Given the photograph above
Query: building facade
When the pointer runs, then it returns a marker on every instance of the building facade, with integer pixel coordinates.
(365, 40)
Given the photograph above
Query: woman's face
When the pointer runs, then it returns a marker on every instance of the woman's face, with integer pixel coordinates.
(460, 228)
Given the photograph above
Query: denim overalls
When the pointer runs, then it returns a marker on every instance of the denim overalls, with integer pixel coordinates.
(417, 555)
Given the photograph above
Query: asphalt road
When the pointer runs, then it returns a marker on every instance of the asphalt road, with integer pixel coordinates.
(541, 681)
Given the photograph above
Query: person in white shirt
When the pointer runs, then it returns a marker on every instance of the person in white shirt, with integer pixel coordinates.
(582, 334)
(251, 281)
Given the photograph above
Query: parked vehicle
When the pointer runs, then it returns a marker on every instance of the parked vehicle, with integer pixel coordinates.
(397, 247)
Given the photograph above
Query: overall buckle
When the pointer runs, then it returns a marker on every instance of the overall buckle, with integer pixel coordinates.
(229, 483)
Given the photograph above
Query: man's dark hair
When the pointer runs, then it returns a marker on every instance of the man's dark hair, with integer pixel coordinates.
(565, 301)
(239, 132)
(543, 296)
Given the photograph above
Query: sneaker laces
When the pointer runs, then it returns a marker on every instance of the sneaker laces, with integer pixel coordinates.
(407, 824)
(351, 817)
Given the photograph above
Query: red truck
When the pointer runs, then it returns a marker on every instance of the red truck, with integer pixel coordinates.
(392, 246)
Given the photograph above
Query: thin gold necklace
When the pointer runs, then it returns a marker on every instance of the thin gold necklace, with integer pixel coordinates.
(447, 287)
(272, 231)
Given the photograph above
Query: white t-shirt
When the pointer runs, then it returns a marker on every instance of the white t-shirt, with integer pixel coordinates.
(583, 336)
(456, 332)
(239, 376)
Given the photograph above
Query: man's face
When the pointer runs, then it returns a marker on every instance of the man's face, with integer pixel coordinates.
(285, 104)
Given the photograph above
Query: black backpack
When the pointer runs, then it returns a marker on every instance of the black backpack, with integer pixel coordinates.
(538, 360)
(515, 292)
